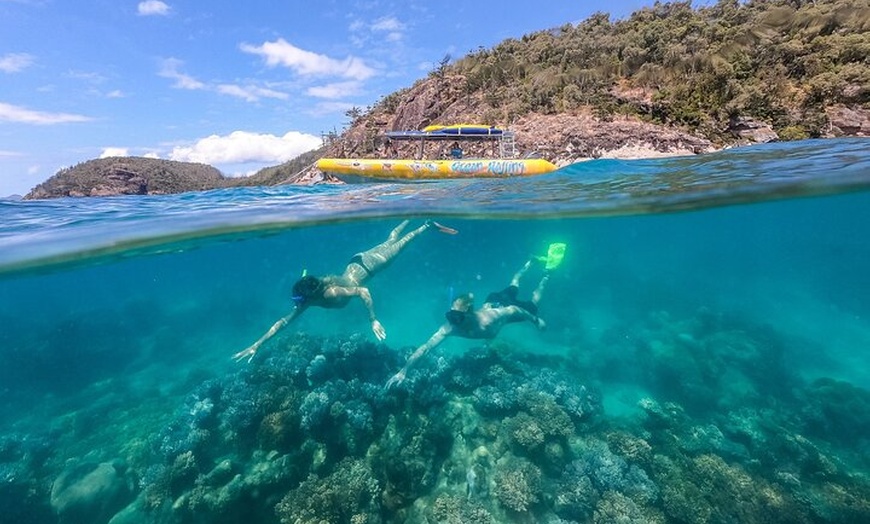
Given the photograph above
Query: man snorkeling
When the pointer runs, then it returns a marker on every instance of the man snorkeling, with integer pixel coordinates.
(501, 308)
(335, 291)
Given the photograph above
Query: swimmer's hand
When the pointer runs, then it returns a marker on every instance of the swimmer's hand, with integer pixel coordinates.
(539, 322)
(397, 379)
(247, 353)
(379, 330)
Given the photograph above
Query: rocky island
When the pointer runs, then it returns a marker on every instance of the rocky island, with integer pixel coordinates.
(668, 80)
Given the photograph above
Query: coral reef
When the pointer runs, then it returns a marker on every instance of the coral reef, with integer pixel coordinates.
(309, 435)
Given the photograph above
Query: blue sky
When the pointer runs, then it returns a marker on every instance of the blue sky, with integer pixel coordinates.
(238, 85)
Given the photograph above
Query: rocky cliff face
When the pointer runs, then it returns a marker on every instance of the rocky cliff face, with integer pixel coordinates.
(560, 138)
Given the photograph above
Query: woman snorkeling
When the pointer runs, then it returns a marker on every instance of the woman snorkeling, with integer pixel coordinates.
(335, 291)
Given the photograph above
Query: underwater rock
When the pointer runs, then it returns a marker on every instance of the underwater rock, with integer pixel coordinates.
(837, 411)
(91, 493)
(708, 438)
(662, 416)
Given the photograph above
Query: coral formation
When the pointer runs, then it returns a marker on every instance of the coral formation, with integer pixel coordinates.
(309, 435)
(518, 484)
(349, 494)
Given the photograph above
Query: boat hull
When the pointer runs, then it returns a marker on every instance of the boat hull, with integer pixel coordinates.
(404, 169)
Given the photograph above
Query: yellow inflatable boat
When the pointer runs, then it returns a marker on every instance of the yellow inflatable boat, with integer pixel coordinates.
(502, 165)
(404, 169)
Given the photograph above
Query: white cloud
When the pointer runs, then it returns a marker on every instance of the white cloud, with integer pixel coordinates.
(34, 169)
(117, 93)
(21, 115)
(387, 28)
(151, 154)
(169, 69)
(15, 62)
(241, 147)
(153, 7)
(335, 90)
(388, 24)
(392, 27)
(250, 93)
(306, 63)
(114, 151)
(6, 154)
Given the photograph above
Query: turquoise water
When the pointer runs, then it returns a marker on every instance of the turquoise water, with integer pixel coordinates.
(705, 357)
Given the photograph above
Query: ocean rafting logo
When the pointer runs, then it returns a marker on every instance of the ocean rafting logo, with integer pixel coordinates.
(506, 167)
(421, 168)
(492, 167)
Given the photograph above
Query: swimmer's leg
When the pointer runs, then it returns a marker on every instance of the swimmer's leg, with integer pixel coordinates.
(519, 274)
(380, 255)
(394, 234)
(536, 295)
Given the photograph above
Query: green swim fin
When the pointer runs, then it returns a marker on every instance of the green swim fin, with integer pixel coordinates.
(555, 254)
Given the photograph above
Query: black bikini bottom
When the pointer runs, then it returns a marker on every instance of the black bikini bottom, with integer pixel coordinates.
(358, 260)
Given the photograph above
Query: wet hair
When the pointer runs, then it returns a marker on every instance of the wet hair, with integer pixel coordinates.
(463, 302)
(306, 288)
(461, 309)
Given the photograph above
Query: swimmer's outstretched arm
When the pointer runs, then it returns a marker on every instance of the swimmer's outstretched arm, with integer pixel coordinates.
(251, 350)
(364, 295)
(433, 341)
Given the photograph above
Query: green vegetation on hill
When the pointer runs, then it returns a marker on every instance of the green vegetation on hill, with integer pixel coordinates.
(782, 61)
(280, 174)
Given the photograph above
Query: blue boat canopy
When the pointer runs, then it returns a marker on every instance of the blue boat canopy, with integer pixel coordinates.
(452, 133)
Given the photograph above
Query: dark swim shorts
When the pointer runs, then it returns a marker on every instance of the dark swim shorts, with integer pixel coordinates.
(508, 297)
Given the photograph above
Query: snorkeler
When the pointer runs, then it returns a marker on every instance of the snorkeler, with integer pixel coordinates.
(501, 308)
(335, 291)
